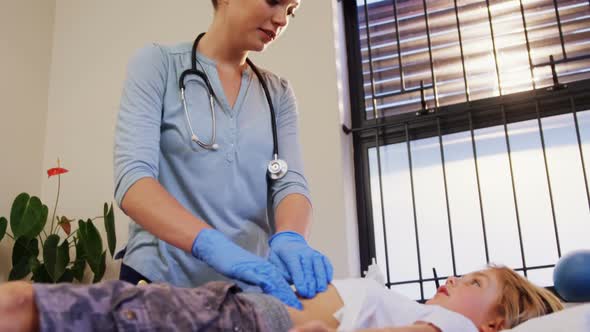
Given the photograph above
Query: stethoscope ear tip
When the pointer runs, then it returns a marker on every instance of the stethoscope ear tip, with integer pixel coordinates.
(215, 146)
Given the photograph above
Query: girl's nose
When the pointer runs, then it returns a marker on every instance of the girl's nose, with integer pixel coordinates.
(452, 280)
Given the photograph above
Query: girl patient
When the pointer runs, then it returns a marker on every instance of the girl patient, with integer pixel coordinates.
(492, 299)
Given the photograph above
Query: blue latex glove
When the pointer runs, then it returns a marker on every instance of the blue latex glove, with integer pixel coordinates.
(308, 269)
(229, 259)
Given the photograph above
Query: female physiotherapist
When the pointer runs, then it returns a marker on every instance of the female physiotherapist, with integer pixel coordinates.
(199, 212)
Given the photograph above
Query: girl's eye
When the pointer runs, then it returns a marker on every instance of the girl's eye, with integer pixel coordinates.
(291, 13)
(476, 282)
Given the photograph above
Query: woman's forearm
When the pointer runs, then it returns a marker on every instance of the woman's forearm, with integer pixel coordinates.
(152, 207)
(294, 214)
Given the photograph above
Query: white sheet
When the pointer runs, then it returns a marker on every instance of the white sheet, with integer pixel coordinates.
(575, 319)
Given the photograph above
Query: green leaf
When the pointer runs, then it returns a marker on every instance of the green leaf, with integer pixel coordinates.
(17, 214)
(38, 224)
(40, 275)
(24, 249)
(34, 263)
(3, 225)
(55, 257)
(19, 270)
(92, 245)
(100, 268)
(81, 230)
(27, 216)
(24, 255)
(80, 262)
(109, 225)
(68, 276)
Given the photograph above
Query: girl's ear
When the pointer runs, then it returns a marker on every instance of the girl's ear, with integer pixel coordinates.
(492, 325)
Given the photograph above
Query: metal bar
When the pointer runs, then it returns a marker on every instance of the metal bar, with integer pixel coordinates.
(382, 205)
(436, 283)
(556, 7)
(358, 118)
(442, 158)
(405, 282)
(543, 147)
(414, 210)
(461, 48)
(571, 59)
(432, 76)
(494, 46)
(483, 221)
(372, 78)
(522, 102)
(553, 72)
(528, 45)
(375, 111)
(399, 48)
(424, 108)
(397, 93)
(578, 136)
(514, 191)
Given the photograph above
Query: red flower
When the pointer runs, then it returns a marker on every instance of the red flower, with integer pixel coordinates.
(56, 171)
(65, 224)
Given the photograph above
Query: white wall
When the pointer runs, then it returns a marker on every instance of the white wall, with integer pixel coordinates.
(26, 34)
(92, 43)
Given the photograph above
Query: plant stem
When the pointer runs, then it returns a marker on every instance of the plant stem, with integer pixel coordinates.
(10, 236)
(97, 217)
(56, 200)
(72, 234)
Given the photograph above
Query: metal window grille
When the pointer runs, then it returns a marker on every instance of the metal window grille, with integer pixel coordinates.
(469, 124)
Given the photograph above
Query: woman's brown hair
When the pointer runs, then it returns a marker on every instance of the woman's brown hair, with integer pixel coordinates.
(520, 300)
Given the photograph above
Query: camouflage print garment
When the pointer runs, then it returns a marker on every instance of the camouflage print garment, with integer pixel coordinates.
(120, 306)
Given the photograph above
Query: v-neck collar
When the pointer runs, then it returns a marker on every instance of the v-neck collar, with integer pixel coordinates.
(210, 67)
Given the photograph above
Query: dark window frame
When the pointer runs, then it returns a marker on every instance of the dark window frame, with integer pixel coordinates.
(467, 116)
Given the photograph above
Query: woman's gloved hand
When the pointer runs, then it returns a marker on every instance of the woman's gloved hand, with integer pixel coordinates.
(308, 269)
(229, 259)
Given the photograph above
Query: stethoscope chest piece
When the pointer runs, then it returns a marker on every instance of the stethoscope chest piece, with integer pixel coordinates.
(277, 168)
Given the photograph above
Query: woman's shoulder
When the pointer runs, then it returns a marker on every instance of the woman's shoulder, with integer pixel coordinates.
(165, 49)
(160, 57)
(155, 50)
(274, 81)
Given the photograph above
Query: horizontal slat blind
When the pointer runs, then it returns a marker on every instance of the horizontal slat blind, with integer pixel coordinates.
(479, 49)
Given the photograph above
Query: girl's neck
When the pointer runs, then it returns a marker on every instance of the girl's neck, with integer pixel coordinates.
(217, 44)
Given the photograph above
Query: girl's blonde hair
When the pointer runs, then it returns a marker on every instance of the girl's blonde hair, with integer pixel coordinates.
(521, 300)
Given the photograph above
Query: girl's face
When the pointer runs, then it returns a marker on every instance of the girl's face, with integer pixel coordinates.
(474, 295)
(254, 24)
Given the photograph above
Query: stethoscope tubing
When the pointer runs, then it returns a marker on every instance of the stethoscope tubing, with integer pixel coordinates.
(277, 168)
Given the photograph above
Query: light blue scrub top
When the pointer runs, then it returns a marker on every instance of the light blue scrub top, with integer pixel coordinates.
(226, 188)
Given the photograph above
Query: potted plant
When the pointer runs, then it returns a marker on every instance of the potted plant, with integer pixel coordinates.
(45, 253)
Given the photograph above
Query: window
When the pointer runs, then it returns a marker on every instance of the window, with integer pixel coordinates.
(471, 134)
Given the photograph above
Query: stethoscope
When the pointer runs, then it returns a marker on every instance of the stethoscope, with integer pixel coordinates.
(277, 168)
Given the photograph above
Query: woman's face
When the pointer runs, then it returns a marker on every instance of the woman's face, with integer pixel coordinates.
(474, 295)
(254, 24)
